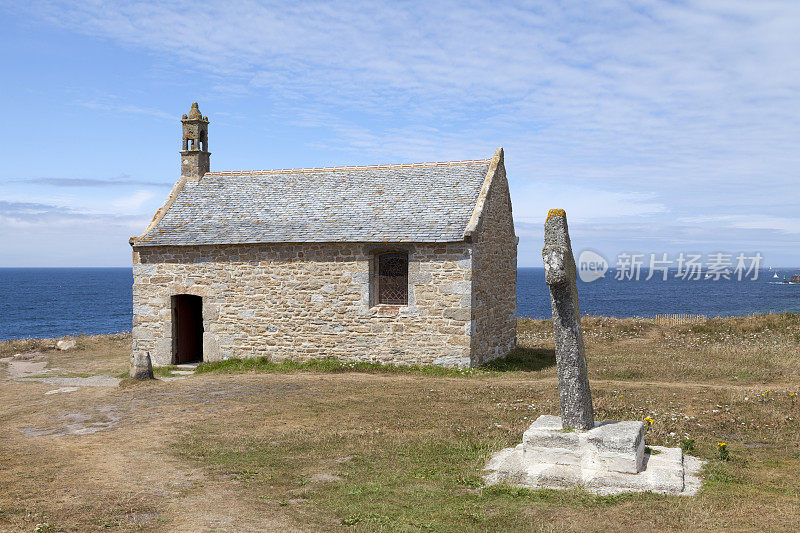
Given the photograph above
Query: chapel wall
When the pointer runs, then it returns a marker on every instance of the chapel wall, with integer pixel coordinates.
(304, 301)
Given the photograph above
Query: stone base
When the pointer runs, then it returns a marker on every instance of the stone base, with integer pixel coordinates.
(608, 459)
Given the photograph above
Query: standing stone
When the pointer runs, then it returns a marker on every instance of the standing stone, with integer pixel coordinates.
(141, 366)
(560, 275)
(608, 458)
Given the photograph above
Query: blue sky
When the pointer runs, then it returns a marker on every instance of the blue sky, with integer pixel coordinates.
(658, 126)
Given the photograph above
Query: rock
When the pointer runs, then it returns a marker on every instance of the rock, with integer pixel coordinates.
(560, 274)
(27, 356)
(795, 278)
(325, 478)
(452, 361)
(66, 344)
(141, 366)
(62, 389)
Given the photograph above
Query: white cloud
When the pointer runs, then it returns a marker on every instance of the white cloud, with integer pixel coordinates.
(632, 115)
(132, 204)
(582, 204)
(785, 225)
(108, 104)
(37, 234)
(674, 91)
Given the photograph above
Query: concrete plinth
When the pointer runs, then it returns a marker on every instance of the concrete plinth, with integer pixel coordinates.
(608, 459)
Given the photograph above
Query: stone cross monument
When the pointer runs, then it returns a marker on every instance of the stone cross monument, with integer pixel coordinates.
(606, 457)
(560, 275)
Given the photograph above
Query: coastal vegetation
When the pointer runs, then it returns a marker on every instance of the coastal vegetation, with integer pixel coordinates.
(326, 445)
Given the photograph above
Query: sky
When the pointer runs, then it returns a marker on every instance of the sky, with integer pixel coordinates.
(661, 127)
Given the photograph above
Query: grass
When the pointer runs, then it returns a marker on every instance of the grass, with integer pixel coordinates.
(521, 359)
(264, 365)
(414, 463)
(325, 445)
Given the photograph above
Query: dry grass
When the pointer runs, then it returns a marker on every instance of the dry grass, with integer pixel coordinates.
(338, 449)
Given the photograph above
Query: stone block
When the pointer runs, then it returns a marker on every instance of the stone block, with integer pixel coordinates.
(555, 476)
(552, 455)
(506, 466)
(462, 287)
(456, 313)
(665, 466)
(619, 445)
(546, 431)
(470, 328)
(615, 446)
(450, 361)
(421, 278)
(564, 464)
(144, 270)
(460, 340)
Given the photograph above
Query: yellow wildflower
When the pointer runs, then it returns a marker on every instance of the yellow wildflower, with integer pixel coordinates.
(649, 420)
(721, 444)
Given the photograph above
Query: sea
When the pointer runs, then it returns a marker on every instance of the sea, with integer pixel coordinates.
(53, 302)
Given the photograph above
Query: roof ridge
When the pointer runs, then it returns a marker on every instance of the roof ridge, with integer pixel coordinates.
(354, 167)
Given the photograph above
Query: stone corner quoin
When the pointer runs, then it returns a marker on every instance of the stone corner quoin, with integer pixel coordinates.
(303, 300)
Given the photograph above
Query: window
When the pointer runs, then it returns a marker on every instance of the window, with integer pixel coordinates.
(393, 278)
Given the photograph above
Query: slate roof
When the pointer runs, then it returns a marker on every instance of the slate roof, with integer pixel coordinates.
(427, 202)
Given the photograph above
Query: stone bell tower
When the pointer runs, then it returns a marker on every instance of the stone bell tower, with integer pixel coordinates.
(195, 157)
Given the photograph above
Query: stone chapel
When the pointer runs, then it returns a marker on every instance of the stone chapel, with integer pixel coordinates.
(402, 264)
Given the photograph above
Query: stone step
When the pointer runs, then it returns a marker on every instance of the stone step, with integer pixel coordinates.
(665, 471)
(612, 446)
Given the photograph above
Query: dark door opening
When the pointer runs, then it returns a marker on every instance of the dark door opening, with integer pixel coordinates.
(187, 329)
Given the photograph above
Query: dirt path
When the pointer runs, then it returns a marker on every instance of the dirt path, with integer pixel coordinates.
(105, 452)
(33, 366)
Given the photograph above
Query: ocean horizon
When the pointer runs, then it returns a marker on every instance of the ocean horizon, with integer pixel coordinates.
(55, 302)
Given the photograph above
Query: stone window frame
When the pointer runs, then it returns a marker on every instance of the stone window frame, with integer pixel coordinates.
(380, 290)
(375, 254)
